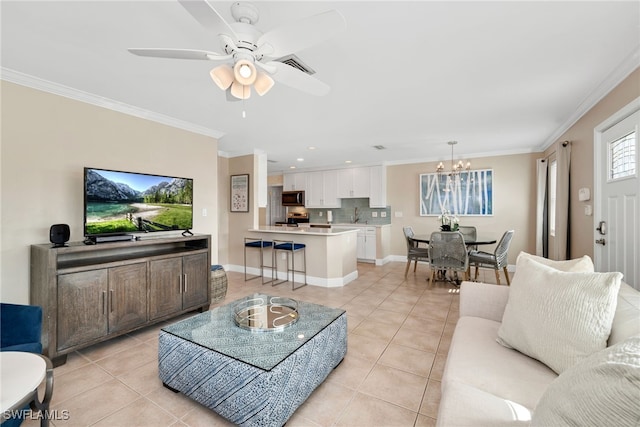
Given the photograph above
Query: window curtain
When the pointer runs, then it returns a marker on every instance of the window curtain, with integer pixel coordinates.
(542, 227)
(563, 157)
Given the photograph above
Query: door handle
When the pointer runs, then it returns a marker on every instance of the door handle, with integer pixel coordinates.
(600, 241)
(602, 228)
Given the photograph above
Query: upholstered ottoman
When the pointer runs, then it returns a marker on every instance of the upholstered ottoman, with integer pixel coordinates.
(252, 378)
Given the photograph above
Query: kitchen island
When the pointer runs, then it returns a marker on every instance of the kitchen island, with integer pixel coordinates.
(331, 253)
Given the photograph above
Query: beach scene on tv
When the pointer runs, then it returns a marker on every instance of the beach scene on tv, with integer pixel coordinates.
(123, 202)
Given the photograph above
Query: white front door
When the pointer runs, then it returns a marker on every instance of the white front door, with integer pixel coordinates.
(617, 194)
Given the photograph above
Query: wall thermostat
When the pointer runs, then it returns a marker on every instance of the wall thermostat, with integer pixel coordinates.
(584, 194)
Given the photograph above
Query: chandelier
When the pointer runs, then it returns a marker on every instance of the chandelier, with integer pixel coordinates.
(456, 168)
(240, 78)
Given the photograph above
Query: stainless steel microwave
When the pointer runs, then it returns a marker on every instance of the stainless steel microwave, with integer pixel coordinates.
(293, 198)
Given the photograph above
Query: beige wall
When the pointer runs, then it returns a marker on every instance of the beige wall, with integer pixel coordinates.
(47, 140)
(581, 227)
(514, 184)
(224, 183)
(240, 222)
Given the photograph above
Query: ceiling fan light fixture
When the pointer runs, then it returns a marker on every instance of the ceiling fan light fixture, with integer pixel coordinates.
(263, 83)
(222, 75)
(244, 72)
(240, 91)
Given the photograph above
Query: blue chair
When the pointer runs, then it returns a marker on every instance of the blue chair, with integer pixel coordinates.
(290, 248)
(250, 242)
(20, 330)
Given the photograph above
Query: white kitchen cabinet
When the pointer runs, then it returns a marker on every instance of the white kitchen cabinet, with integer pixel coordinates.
(294, 181)
(378, 187)
(322, 189)
(366, 250)
(353, 182)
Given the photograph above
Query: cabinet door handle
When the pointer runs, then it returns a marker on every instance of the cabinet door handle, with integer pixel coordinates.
(111, 301)
(180, 279)
(104, 302)
(185, 283)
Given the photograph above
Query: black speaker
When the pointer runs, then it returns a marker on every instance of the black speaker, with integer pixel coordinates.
(59, 235)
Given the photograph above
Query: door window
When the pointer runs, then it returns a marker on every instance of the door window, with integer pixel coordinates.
(622, 157)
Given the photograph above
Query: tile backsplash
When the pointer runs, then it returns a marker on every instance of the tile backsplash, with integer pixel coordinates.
(346, 214)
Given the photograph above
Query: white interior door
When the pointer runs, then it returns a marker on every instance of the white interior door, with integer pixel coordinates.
(617, 193)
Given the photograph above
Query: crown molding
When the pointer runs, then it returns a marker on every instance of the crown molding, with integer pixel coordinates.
(621, 72)
(99, 101)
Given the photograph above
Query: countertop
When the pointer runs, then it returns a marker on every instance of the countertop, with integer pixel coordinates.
(342, 225)
(308, 231)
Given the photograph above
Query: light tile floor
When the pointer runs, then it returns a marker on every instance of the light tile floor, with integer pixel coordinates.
(399, 334)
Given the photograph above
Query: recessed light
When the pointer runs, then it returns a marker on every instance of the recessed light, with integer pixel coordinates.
(300, 159)
(292, 167)
(347, 161)
(312, 148)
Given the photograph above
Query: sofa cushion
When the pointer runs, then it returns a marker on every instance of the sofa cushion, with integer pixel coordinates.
(603, 389)
(577, 265)
(558, 317)
(476, 359)
(626, 322)
(463, 405)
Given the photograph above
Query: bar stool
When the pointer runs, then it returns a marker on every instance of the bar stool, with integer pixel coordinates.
(290, 248)
(251, 242)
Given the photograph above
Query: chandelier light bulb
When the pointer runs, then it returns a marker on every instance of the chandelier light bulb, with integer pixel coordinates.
(245, 71)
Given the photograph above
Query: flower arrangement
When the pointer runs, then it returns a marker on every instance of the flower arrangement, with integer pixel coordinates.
(448, 222)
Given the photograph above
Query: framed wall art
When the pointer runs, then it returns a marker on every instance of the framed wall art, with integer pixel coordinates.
(240, 193)
(463, 193)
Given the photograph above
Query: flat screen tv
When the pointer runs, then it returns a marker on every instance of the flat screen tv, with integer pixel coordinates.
(117, 202)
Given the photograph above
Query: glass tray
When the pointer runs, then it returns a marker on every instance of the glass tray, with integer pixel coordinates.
(266, 313)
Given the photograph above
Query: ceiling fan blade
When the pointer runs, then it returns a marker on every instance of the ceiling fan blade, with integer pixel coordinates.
(208, 17)
(293, 37)
(180, 54)
(271, 69)
(292, 77)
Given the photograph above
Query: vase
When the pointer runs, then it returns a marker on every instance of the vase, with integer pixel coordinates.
(445, 227)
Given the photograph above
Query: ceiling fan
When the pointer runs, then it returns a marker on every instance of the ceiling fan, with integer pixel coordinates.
(251, 57)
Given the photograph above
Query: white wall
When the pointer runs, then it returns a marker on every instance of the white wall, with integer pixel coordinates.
(47, 140)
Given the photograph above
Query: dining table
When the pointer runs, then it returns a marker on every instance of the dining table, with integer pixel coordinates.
(480, 240)
(471, 243)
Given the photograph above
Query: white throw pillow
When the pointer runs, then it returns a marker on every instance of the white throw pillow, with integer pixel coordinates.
(602, 390)
(558, 317)
(583, 264)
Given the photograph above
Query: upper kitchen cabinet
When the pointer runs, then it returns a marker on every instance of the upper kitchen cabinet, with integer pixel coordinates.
(294, 181)
(362, 182)
(322, 189)
(378, 187)
(353, 183)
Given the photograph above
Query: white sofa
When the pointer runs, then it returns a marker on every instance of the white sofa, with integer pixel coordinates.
(487, 384)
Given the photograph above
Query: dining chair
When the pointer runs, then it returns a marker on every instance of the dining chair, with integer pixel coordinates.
(497, 260)
(447, 252)
(469, 233)
(414, 253)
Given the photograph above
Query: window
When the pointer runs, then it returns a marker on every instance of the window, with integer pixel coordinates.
(553, 175)
(622, 157)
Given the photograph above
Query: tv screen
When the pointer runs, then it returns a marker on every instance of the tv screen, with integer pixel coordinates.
(118, 202)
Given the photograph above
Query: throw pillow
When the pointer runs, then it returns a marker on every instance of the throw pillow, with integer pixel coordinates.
(558, 317)
(583, 264)
(602, 390)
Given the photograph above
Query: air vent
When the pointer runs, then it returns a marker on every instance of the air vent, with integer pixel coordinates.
(379, 147)
(271, 161)
(295, 62)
